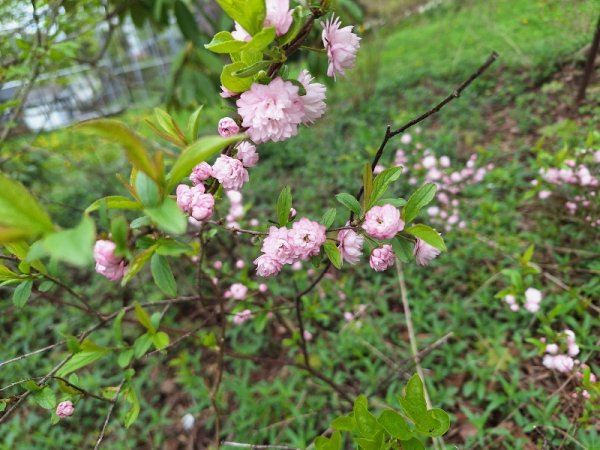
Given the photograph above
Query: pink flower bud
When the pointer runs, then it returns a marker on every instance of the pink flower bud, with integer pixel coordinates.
(201, 172)
(267, 266)
(262, 287)
(230, 172)
(350, 245)
(218, 265)
(382, 258)
(292, 214)
(107, 263)
(308, 336)
(228, 127)
(65, 409)
(238, 291)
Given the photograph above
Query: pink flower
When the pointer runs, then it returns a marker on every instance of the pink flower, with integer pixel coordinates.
(424, 253)
(307, 237)
(533, 298)
(378, 169)
(262, 287)
(240, 264)
(238, 291)
(313, 101)
(271, 112)
(239, 34)
(307, 335)
(341, 45)
(107, 263)
(382, 258)
(350, 245)
(230, 172)
(348, 316)
(200, 173)
(227, 127)
(544, 194)
(218, 265)
(279, 16)
(242, 317)
(246, 152)
(563, 363)
(267, 266)
(383, 222)
(184, 195)
(226, 93)
(65, 409)
(278, 245)
(552, 349)
(202, 206)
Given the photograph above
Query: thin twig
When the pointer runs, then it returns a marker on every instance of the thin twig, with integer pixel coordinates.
(109, 414)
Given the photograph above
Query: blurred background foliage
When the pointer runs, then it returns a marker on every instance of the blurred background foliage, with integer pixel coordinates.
(82, 59)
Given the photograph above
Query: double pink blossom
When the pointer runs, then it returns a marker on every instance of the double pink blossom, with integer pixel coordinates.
(382, 258)
(424, 253)
(246, 152)
(230, 172)
(271, 112)
(341, 45)
(201, 173)
(278, 15)
(242, 316)
(350, 245)
(313, 102)
(267, 266)
(237, 291)
(383, 222)
(108, 264)
(533, 298)
(193, 201)
(307, 237)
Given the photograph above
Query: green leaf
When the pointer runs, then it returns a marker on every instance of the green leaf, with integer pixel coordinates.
(73, 246)
(144, 318)
(428, 235)
(382, 183)
(333, 253)
(141, 345)
(366, 422)
(414, 405)
(284, 205)
(187, 23)
(31, 386)
(80, 360)
(2, 405)
(413, 444)
(250, 14)
(193, 125)
(395, 425)
(132, 398)
(251, 70)
(162, 275)
(169, 126)
(147, 190)
(124, 358)
(367, 185)
(403, 249)
(22, 293)
(21, 216)
(45, 398)
(345, 423)
(443, 418)
(397, 202)
(349, 201)
(233, 83)
(7, 274)
(333, 443)
(160, 340)
(526, 258)
(138, 262)
(224, 42)
(114, 202)
(193, 155)
(168, 217)
(420, 198)
(328, 217)
(119, 230)
(171, 247)
(118, 132)
(117, 327)
(261, 40)
(374, 443)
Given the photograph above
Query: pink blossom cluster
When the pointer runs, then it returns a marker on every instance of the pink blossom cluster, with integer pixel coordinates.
(533, 299)
(584, 177)
(287, 246)
(236, 208)
(242, 317)
(273, 112)
(236, 291)
(424, 166)
(562, 361)
(108, 264)
(195, 202)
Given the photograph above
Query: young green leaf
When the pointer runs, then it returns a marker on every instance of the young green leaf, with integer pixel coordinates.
(250, 14)
(168, 217)
(138, 262)
(193, 125)
(428, 235)
(420, 198)
(284, 204)
(233, 83)
(80, 360)
(333, 253)
(366, 422)
(21, 216)
(224, 42)
(22, 293)
(162, 275)
(261, 40)
(114, 202)
(395, 425)
(45, 398)
(143, 318)
(132, 398)
(349, 201)
(403, 248)
(160, 340)
(333, 443)
(328, 217)
(382, 183)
